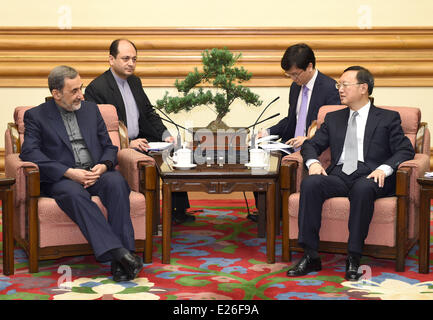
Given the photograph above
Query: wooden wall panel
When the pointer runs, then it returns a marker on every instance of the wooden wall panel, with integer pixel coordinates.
(396, 56)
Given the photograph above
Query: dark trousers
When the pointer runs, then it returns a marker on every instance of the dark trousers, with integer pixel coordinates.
(102, 234)
(362, 193)
(179, 201)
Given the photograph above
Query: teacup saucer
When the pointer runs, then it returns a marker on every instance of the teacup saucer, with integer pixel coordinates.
(184, 166)
(255, 165)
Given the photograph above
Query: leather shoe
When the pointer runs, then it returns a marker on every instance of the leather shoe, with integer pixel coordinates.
(181, 217)
(118, 273)
(352, 265)
(305, 266)
(131, 264)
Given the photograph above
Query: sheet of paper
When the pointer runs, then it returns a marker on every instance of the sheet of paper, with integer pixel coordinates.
(159, 146)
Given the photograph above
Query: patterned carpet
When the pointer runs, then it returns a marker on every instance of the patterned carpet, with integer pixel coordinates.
(218, 257)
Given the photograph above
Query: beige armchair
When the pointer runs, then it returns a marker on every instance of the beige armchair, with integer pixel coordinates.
(43, 229)
(394, 227)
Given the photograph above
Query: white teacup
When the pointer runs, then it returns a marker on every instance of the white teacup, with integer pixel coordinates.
(183, 157)
(258, 157)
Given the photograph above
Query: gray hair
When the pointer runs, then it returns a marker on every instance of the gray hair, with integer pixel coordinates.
(56, 78)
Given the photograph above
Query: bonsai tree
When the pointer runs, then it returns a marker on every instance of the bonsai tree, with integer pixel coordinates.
(218, 70)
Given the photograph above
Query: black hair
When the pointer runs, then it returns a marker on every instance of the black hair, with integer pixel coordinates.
(114, 47)
(363, 76)
(299, 55)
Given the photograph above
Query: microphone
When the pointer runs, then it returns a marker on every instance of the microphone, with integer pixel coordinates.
(243, 129)
(268, 118)
(179, 139)
(253, 137)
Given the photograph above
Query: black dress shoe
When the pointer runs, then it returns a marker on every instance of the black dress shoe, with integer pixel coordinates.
(119, 274)
(305, 266)
(181, 217)
(132, 264)
(352, 265)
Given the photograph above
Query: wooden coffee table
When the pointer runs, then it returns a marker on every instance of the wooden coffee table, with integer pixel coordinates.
(216, 179)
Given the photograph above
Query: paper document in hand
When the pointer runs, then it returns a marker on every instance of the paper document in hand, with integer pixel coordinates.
(158, 146)
(275, 146)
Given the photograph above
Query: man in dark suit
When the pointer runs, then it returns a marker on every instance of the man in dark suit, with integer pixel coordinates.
(68, 140)
(367, 145)
(309, 90)
(120, 87)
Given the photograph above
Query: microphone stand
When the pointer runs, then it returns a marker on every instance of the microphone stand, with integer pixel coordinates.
(179, 139)
(253, 136)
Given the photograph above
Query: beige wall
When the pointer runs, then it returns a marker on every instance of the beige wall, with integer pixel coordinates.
(206, 13)
(202, 13)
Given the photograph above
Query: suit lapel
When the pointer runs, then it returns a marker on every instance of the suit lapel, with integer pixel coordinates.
(341, 125)
(372, 122)
(85, 122)
(56, 122)
(118, 99)
(314, 97)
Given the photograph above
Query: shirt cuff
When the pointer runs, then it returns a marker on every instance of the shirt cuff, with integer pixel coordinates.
(385, 168)
(309, 162)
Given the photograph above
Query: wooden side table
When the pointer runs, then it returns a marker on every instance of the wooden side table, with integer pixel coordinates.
(6, 194)
(424, 223)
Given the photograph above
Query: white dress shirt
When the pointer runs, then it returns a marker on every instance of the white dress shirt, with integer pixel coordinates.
(361, 122)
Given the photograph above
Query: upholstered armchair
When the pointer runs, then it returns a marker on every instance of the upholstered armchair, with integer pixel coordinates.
(43, 229)
(394, 227)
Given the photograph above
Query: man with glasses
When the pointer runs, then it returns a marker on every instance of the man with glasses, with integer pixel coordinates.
(367, 145)
(309, 90)
(120, 87)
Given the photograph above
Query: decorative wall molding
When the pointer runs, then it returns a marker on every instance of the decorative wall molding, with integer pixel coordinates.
(397, 56)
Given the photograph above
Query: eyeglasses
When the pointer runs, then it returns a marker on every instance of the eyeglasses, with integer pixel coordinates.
(345, 85)
(293, 75)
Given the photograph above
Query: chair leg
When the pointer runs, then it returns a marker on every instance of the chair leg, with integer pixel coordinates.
(286, 253)
(400, 262)
(33, 262)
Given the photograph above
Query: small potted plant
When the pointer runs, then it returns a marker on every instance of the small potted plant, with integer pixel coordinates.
(220, 72)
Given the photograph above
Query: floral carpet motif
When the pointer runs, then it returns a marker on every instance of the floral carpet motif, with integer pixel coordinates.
(217, 257)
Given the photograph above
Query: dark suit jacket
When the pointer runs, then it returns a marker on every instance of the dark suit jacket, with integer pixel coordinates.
(384, 139)
(47, 144)
(104, 90)
(324, 93)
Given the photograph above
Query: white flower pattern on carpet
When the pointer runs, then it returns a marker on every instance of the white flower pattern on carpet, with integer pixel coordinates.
(106, 288)
(393, 289)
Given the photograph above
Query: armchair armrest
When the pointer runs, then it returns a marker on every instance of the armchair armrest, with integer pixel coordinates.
(419, 165)
(296, 163)
(21, 171)
(129, 162)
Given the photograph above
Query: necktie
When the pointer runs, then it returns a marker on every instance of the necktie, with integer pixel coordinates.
(302, 116)
(351, 147)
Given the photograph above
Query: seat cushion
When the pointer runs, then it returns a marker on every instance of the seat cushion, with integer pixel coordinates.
(57, 229)
(335, 216)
